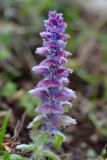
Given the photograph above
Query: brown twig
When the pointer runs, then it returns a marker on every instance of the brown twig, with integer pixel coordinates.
(19, 126)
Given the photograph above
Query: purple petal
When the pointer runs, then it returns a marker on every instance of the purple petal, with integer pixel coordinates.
(66, 120)
(64, 36)
(39, 92)
(48, 62)
(42, 51)
(62, 27)
(63, 72)
(64, 80)
(63, 120)
(45, 34)
(65, 53)
(48, 108)
(63, 60)
(49, 83)
(69, 92)
(66, 94)
(41, 69)
(61, 43)
(50, 44)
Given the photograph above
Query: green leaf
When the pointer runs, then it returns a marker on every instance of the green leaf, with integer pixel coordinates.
(103, 153)
(15, 157)
(66, 108)
(34, 124)
(4, 53)
(47, 153)
(5, 39)
(38, 141)
(9, 89)
(59, 139)
(94, 120)
(41, 139)
(27, 147)
(6, 156)
(105, 89)
(3, 128)
(91, 79)
(103, 131)
(72, 13)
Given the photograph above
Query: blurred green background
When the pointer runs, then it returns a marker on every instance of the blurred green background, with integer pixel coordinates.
(20, 24)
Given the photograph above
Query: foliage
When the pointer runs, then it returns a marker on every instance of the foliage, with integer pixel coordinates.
(3, 128)
(91, 79)
(7, 156)
(53, 156)
(4, 53)
(103, 153)
(59, 139)
(37, 147)
(96, 122)
(9, 89)
(105, 89)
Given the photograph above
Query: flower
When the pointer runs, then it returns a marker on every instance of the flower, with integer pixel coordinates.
(51, 89)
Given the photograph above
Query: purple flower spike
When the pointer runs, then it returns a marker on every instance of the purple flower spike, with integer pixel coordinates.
(52, 89)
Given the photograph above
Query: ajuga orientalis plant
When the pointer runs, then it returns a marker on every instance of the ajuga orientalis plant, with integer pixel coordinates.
(52, 91)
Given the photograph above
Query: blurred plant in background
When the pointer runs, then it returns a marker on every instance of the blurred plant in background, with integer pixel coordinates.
(19, 21)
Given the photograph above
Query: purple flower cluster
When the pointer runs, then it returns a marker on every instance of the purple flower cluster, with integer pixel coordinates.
(52, 89)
